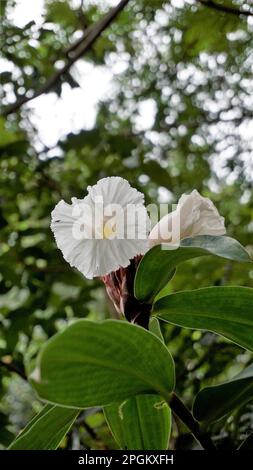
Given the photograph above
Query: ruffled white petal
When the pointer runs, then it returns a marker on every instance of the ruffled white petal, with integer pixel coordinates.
(116, 190)
(76, 230)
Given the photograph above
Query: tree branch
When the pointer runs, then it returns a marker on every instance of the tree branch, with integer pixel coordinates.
(11, 367)
(186, 417)
(83, 46)
(225, 8)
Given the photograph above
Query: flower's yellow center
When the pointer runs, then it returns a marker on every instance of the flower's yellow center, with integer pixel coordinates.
(109, 231)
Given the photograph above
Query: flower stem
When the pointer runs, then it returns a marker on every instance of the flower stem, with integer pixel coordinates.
(187, 418)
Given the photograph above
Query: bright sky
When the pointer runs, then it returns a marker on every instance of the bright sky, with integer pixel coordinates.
(76, 108)
(25, 11)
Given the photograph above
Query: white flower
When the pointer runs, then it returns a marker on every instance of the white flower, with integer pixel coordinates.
(103, 231)
(194, 215)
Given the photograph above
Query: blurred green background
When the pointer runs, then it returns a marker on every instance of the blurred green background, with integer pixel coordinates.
(164, 99)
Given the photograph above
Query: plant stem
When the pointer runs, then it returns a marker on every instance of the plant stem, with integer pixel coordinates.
(186, 417)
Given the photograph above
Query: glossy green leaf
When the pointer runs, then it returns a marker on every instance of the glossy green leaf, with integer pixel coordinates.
(46, 430)
(95, 364)
(227, 311)
(212, 403)
(140, 423)
(157, 267)
(154, 327)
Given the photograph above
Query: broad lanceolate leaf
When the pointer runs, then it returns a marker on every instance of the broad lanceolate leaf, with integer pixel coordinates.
(46, 430)
(158, 265)
(227, 311)
(212, 403)
(140, 423)
(96, 364)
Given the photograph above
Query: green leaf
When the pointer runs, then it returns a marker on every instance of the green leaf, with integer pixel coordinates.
(154, 327)
(247, 444)
(227, 311)
(159, 263)
(212, 403)
(46, 430)
(96, 364)
(202, 30)
(60, 12)
(7, 137)
(140, 423)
